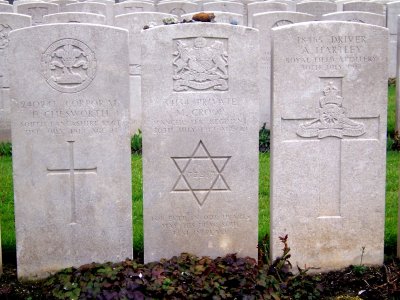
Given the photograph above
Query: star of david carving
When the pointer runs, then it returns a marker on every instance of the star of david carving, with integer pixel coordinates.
(201, 173)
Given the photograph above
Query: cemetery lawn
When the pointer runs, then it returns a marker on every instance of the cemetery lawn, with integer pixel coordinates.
(7, 204)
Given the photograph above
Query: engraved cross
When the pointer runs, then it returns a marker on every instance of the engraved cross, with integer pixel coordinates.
(72, 171)
(329, 129)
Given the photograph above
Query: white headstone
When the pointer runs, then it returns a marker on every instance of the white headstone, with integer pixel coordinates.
(71, 146)
(220, 17)
(392, 12)
(225, 6)
(398, 90)
(200, 140)
(109, 11)
(316, 8)
(37, 10)
(262, 7)
(356, 16)
(329, 143)
(75, 17)
(368, 6)
(291, 4)
(8, 22)
(63, 3)
(265, 22)
(177, 8)
(6, 8)
(87, 7)
(134, 22)
(128, 7)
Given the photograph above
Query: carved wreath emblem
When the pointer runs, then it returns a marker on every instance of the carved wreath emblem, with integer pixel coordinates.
(69, 65)
(4, 32)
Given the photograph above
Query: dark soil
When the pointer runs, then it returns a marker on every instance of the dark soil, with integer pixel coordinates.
(354, 282)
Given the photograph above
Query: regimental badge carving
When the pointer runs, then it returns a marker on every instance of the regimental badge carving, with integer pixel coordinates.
(282, 23)
(332, 121)
(4, 32)
(69, 65)
(201, 173)
(200, 64)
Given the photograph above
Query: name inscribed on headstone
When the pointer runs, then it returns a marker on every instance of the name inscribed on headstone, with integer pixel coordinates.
(333, 52)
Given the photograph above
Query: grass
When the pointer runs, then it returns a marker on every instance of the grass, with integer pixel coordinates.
(7, 206)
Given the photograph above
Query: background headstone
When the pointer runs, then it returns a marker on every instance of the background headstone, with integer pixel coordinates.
(329, 143)
(134, 23)
(71, 146)
(372, 7)
(37, 10)
(220, 17)
(8, 22)
(262, 7)
(128, 7)
(75, 17)
(200, 140)
(63, 3)
(316, 8)
(6, 8)
(88, 7)
(356, 16)
(392, 12)
(177, 8)
(291, 4)
(265, 22)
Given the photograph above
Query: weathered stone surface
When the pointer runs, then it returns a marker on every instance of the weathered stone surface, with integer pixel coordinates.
(265, 22)
(220, 17)
(225, 6)
(71, 146)
(63, 3)
(75, 17)
(177, 8)
(37, 10)
(200, 140)
(4, 7)
(87, 7)
(133, 7)
(291, 4)
(372, 7)
(109, 11)
(134, 22)
(316, 8)
(356, 16)
(261, 7)
(392, 11)
(329, 143)
(8, 22)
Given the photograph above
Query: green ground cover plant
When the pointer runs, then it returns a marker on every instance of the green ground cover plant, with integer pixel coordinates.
(187, 277)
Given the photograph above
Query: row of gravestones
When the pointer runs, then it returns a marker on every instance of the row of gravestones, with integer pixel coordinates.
(134, 22)
(179, 8)
(201, 96)
(377, 13)
(225, 11)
